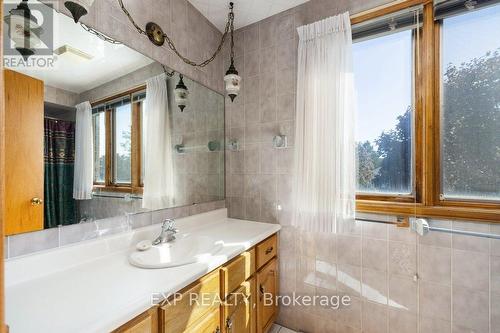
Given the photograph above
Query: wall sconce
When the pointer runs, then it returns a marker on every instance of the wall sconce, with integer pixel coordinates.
(181, 93)
(233, 145)
(280, 141)
(78, 8)
(158, 37)
(23, 29)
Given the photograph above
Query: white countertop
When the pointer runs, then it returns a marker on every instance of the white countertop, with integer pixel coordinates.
(91, 287)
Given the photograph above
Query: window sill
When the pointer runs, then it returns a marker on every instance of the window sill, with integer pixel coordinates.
(117, 188)
(418, 209)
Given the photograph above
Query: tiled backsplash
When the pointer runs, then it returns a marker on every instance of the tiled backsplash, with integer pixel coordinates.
(27, 243)
(397, 281)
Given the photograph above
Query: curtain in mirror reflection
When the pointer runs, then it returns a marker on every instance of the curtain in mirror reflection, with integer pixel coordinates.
(59, 157)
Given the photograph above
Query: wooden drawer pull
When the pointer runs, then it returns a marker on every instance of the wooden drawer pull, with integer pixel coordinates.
(269, 249)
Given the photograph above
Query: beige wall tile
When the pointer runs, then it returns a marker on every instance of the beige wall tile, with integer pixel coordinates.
(471, 309)
(402, 234)
(375, 318)
(470, 243)
(403, 294)
(374, 254)
(471, 270)
(374, 230)
(401, 321)
(495, 313)
(374, 286)
(435, 301)
(349, 250)
(435, 264)
(495, 274)
(350, 315)
(402, 258)
(434, 325)
(349, 280)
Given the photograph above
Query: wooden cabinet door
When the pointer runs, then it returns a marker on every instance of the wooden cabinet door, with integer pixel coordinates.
(267, 285)
(146, 322)
(23, 153)
(238, 310)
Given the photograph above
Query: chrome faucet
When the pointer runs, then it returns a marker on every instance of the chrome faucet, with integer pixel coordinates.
(167, 232)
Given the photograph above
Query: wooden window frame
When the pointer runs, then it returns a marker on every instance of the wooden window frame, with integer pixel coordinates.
(109, 185)
(426, 200)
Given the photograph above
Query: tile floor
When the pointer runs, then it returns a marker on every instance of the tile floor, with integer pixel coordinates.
(280, 329)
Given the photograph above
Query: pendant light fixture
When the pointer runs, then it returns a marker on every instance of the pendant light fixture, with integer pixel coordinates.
(158, 37)
(181, 93)
(78, 8)
(232, 79)
(23, 29)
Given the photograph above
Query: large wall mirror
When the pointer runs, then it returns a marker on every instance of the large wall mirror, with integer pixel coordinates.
(146, 153)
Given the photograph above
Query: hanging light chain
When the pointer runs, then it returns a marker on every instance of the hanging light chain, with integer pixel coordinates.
(139, 29)
(167, 73)
(229, 28)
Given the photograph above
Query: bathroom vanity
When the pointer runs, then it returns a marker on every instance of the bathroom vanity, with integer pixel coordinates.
(235, 298)
(91, 286)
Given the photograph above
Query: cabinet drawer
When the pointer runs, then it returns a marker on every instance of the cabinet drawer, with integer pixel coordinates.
(146, 322)
(237, 271)
(208, 324)
(266, 250)
(179, 315)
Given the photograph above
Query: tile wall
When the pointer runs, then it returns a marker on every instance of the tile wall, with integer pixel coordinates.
(398, 282)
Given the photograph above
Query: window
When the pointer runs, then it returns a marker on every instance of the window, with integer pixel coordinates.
(428, 101)
(470, 105)
(99, 147)
(122, 127)
(383, 71)
(117, 142)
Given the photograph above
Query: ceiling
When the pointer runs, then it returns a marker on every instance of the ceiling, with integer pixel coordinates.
(77, 74)
(245, 11)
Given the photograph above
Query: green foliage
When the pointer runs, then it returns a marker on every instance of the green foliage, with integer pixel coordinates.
(471, 127)
(470, 136)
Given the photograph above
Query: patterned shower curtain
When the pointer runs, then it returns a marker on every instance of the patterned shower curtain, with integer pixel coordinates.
(59, 164)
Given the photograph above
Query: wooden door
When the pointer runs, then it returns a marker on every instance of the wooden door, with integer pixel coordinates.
(267, 285)
(23, 153)
(238, 310)
(3, 327)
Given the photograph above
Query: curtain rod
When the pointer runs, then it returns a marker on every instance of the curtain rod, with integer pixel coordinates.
(421, 227)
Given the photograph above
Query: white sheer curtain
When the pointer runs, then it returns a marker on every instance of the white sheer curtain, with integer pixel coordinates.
(158, 160)
(83, 180)
(324, 185)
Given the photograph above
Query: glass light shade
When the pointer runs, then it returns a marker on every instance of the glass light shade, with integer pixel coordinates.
(181, 93)
(232, 85)
(23, 37)
(23, 27)
(78, 8)
(181, 97)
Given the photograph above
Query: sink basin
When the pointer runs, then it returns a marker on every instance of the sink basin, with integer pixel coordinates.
(182, 251)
